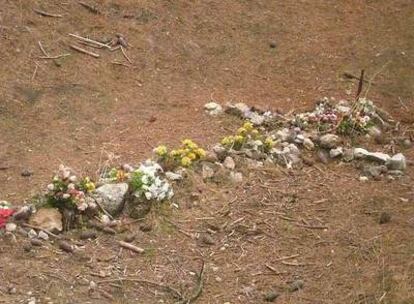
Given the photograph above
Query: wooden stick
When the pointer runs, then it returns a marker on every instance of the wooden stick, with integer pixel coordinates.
(46, 55)
(131, 247)
(125, 55)
(90, 41)
(311, 227)
(79, 49)
(42, 49)
(46, 14)
(89, 7)
(288, 257)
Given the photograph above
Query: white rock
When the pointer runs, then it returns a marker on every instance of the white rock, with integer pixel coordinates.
(32, 234)
(105, 219)
(112, 197)
(213, 108)
(236, 177)
(333, 153)
(229, 163)
(11, 227)
(43, 235)
(256, 118)
(328, 141)
(49, 219)
(378, 157)
(363, 178)
(308, 144)
(299, 138)
(207, 171)
(360, 153)
(173, 176)
(397, 162)
(283, 135)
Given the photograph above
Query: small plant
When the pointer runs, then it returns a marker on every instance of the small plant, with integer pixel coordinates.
(250, 137)
(65, 192)
(185, 156)
(146, 182)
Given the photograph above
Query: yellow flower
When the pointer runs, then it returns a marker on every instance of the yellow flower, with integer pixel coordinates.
(242, 131)
(255, 132)
(161, 150)
(190, 144)
(191, 156)
(185, 161)
(239, 139)
(269, 142)
(248, 126)
(174, 153)
(200, 152)
(120, 175)
(228, 140)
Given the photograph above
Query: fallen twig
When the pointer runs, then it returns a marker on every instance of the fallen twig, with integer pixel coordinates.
(125, 55)
(287, 257)
(274, 270)
(46, 14)
(311, 227)
(79, 49)
(46, 55)
(176, 293)
(90, 7)
(198, 290)
(131, 247)
(352, 76)
(90, 41)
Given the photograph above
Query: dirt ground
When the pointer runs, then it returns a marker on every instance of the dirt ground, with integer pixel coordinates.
(283, 55)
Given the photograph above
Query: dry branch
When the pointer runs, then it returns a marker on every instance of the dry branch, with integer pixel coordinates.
(81, 50)
(90, 41)
(46, 14)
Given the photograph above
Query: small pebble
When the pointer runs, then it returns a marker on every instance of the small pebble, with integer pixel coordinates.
(32, 234)
(130, 237)
(146, 227)
(271, 296)
(43, 235)
(296, 285)
(87, 234)
(11, 227)
(207, 239)
(27, 247)
(385, 217)
(65, 246)
(36, 242)
(26, 173)
(272, 45)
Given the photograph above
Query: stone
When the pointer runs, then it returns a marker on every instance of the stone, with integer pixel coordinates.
(138, 207)
(299, 139)
(112, 197)
(26, 173)
(207, 172)
(11, 227)
(328, 141)
(337, 152)
(363, 179)
(271, 296)
(207, 239)
(283, 135)
(211, 156)
(49, 219)
(23, 213)
(213, 108)
(229, 163)
(236, 177)
(32, 234)
(374, 132)
(379, 157)
(397, 162)
(296, 285)
(308, 144)
(36, 242)
(256, 118)
(360, 153)
(88, 234)
(374, 171)
(323, 156)
(384, 218)
(220, 151)
(173, 176)
(239, 109)
(395, 172)
(43, 235)
(348, 155)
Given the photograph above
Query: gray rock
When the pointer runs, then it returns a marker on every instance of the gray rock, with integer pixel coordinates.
(256, 118)
(396, 173)
(337, 152)
(112, 197)
(323, 156)
(220, 151)
(32, 234)
(239, 109)
(360, 153)
(49, 219)
(397, 162)
(378, 157)
(283, 135)
(43, 235)
(27, 173)
(271, 296)
(229, 163)
(207, 172)
(328, 141)
(296, 285)
(374, 171)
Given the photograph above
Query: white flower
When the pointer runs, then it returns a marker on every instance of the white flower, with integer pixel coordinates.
(66, 196)
(82, 206)
(73, 178)
(71, 186)
(50, 187)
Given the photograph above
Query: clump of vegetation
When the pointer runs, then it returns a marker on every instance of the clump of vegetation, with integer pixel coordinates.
(248, 137)
(67, 192)
(186, 155)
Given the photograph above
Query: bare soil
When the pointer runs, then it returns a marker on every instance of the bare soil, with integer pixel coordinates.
(283, 55)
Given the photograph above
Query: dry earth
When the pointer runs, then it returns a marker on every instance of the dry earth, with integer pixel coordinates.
(281, 55)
